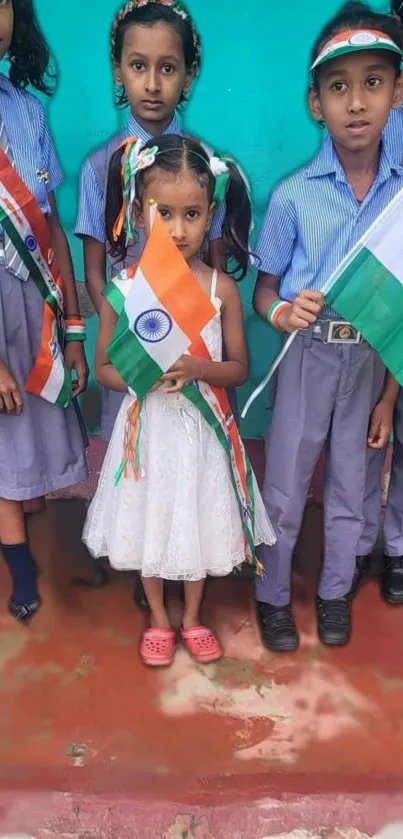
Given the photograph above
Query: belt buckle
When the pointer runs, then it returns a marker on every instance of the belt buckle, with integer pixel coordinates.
(340, 332)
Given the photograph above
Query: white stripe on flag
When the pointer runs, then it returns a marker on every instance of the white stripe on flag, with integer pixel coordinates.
(24, 229)
(386, 243)
(55, 382)
(141, 299)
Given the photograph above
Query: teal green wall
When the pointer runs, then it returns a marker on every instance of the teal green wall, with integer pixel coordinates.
(250, 100)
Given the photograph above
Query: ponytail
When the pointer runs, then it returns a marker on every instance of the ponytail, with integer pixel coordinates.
(237, 222)
(224, 183)
(113, 206)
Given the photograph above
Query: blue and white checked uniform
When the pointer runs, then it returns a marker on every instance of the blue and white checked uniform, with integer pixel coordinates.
(90, 219)
(314, 218)
(324, 392)
(29, 138)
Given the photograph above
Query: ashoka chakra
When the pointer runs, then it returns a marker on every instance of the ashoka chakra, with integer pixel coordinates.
(153, 326)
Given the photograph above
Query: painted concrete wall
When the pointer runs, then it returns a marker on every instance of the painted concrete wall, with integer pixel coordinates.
(250, 100)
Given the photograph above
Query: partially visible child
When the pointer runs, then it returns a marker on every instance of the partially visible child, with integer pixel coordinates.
(389, 413)
(330, 379)
(41, 444)
(190, 513)
(387, 416)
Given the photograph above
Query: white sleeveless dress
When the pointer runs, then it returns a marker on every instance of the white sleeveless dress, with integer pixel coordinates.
(180, 520)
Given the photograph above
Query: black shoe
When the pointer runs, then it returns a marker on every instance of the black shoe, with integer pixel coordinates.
(362, 568)
(392, 580)
(140, 597)
(334, 623)
(277, 628)
(26, 612)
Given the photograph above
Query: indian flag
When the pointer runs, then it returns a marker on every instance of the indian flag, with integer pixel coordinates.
(162, 310)
(367, 287)
(50, 378)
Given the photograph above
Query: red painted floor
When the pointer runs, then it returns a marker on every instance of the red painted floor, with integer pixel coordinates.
(94, 746)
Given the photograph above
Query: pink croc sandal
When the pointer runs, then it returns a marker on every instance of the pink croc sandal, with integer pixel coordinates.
(157, 647)
(201, 644)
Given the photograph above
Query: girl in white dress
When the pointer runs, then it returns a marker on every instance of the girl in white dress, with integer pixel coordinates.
(182, 518)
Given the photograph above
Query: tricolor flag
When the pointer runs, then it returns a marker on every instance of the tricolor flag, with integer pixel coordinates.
(49, 377)
(162, 310)
(367, 288)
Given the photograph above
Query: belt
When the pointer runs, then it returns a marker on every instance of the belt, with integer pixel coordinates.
(336, 332)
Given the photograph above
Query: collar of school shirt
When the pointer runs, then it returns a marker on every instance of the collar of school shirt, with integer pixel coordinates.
(327, 163)
(136, 130)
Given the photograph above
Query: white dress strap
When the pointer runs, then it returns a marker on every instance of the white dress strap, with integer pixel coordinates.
(214, 279)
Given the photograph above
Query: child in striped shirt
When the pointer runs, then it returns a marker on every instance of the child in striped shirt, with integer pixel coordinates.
(330, 379)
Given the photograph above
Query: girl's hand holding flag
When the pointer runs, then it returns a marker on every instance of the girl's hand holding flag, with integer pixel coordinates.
(187, 369)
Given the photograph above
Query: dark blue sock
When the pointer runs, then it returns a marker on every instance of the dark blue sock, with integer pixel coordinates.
(23, 572)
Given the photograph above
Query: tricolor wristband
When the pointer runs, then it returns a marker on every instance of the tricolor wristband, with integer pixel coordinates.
(275, 311)
(75, 330)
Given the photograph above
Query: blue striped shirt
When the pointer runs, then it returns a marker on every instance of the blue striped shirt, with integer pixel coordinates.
(314, 219)
(30, 142)
(90, 218)
(393, 134)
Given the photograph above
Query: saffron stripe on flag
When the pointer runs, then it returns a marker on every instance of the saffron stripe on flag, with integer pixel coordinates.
(50, 382)
(174, 283)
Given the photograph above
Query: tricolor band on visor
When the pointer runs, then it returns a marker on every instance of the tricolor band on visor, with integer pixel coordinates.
(355, 40)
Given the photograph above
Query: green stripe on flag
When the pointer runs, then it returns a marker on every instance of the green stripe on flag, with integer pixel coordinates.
(131, 360)
(114, 297)
(370, 297)
(64, 398)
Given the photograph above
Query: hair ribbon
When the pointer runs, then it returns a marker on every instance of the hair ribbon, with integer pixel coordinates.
(135, 159)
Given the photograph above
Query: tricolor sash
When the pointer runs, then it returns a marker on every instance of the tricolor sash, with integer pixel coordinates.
(213, 404)
(27, 227)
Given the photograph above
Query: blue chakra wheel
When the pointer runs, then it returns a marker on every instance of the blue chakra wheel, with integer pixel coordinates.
(31, 243)
(153, 326)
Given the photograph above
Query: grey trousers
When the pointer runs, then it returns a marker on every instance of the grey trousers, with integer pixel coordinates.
(393, 523)
(324, 397)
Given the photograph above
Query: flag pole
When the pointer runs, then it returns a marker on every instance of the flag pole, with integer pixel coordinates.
(269, 375)
(153, 211)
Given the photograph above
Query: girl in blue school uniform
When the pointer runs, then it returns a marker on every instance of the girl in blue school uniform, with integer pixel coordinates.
(388, 414)
(156, 55)
(330, 379)
(41, 332)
